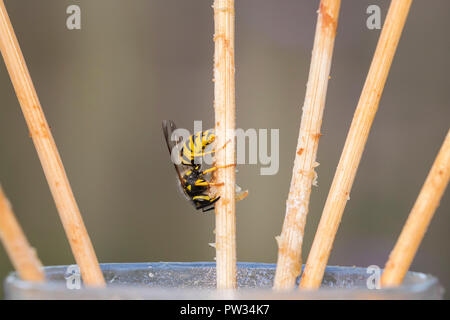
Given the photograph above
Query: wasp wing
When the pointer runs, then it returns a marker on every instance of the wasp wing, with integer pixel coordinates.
(172, 141)
(169, 127)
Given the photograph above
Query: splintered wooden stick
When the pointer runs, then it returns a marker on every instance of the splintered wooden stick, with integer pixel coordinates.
(48, 153)
(303, 175)
(414, 230)
(224, 106)
(354, 145)
(22, 255)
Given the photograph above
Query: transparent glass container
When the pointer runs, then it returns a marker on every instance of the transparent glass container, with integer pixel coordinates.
(197, 280)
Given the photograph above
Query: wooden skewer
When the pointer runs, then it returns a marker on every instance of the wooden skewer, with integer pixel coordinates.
(354, 144)
(224, 105)
(414, 230)
(303, 175)
(48, 153)
(22, 255)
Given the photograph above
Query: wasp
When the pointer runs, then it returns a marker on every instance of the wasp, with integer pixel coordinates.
(193, 181)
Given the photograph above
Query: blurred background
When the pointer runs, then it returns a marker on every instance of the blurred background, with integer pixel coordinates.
(106, 88)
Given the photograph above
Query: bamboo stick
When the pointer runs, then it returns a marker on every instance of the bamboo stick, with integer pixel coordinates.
(22, 255)
(224, 105)
(354, 144)
(417, 223)
(303, 175)
(48, 153)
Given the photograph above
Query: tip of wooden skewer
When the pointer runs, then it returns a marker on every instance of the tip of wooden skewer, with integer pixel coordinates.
(22, 255)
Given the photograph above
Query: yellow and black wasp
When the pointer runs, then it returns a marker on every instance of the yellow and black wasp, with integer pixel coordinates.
(192, 179)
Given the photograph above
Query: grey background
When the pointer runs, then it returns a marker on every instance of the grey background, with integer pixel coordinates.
(106, 88)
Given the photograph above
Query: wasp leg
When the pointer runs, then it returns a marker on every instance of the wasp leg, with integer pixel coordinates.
(211, 203)
(218, 167)
(223, 147)
(208, 184)
(204, 202)
(209, 209)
